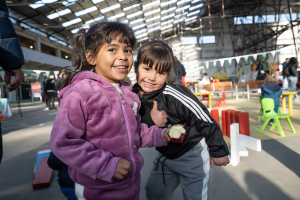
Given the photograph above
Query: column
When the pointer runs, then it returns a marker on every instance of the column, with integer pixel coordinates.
(38, 44)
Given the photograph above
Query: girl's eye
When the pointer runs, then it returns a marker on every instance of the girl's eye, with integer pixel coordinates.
(147, 69)
(128, 51)
(161, 73)
(112, 50)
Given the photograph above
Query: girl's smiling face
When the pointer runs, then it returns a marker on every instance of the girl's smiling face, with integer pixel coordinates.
(113, 61)
(149, 79)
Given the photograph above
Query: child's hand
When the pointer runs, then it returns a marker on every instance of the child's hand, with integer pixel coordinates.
(211, 163)
(122, 169)
(158, 117)
(166, 132)
(223, 161)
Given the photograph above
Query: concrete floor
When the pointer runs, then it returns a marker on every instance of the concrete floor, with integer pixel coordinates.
(273, 173)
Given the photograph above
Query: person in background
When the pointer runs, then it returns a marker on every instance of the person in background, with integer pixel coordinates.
(11, 55)
(214, 80)
(205, 79)
(179, 71)
(284, 65)
(251, 78)
(60, 80)
(65, 182)
(292, 77)
(45, 92)
(262, 75)
(278, 77)
(271, 89)
(50, 90)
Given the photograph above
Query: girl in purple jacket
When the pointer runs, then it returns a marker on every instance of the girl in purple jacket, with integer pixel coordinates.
(97, 131)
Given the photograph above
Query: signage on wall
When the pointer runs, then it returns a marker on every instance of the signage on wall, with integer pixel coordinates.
(36, 92)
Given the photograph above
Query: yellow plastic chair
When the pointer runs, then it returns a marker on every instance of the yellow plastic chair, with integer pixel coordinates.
(268, 111)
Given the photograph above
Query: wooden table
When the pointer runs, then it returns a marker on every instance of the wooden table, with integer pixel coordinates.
(290, 102)
(205, 93)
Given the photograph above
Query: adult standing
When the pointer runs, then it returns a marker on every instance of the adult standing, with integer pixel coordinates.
(179, 71)
(292, 76)
(11, 55)
(284, 65)
(50, 91)
(45, 93)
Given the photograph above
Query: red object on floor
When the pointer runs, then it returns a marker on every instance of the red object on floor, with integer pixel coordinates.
(43, 175)
(244, 123)
(205, 98)
(224, 122)
(236, 116)
(222, 101)
(215, 115)
(228, 121)
(1, 116)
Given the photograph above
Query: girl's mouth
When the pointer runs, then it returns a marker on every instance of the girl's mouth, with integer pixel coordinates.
(149, 85)
(121, 68)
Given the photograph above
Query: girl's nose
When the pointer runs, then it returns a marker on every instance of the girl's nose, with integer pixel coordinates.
(152, 76)
(122, 56)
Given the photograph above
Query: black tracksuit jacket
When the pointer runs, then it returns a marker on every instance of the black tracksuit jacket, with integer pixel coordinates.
(183, 107)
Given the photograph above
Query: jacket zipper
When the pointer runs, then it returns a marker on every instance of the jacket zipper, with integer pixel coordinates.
(128, 132)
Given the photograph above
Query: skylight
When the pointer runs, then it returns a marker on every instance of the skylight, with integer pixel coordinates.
(105, 10)
(165, 27)
(77, 29)
(176, 16)
(183, 1)
(134, 14)
(189, 19)
(152, 12)
(180, 20)
(59, 13)
(193, 13)
(153, 18)
(195, 7)
(168, 10)
(69, 2)
(153, 24)
(140, 36)
(154, 29)
(166, 22)
(167, 3)
(151, 4)
(125, 21)
(85, 11)
(141, 31)
(41, 3)
(195, 1)
(94, 20)
(183, 8)
(168, 16)
(139, 26)
(97, 1)
(74, 21)
(130, 7)
(137, 21)
(116, 16)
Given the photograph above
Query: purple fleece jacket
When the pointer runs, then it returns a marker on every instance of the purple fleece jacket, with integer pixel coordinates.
(93, 130)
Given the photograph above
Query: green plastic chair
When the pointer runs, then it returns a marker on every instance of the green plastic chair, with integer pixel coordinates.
(268, 111)
(261, 112)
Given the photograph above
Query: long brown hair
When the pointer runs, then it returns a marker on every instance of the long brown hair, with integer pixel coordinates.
(92, 39)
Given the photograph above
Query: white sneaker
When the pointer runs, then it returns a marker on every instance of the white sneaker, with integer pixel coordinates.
(270, 123)
(46, 108)
(296, 98)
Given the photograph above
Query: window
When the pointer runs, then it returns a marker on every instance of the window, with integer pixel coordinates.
(189, 40)
(243, 20)
(207, 39)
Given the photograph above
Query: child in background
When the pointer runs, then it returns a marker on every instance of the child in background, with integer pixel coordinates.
(97, 131)
(271, 89)
(189, 162)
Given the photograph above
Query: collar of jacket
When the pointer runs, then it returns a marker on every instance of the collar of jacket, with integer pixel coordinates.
(148, 98)
(93, 76)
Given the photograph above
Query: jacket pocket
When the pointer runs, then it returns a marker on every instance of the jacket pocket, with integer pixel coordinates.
(117, 146)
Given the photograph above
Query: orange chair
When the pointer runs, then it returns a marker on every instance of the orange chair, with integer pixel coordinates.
(222, 101)
(205, 98)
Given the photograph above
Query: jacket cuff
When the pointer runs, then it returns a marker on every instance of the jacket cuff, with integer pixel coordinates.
(108, 170)
(160, 140)
(163, 135)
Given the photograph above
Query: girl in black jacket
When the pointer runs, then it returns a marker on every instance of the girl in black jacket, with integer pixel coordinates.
(189, 162)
